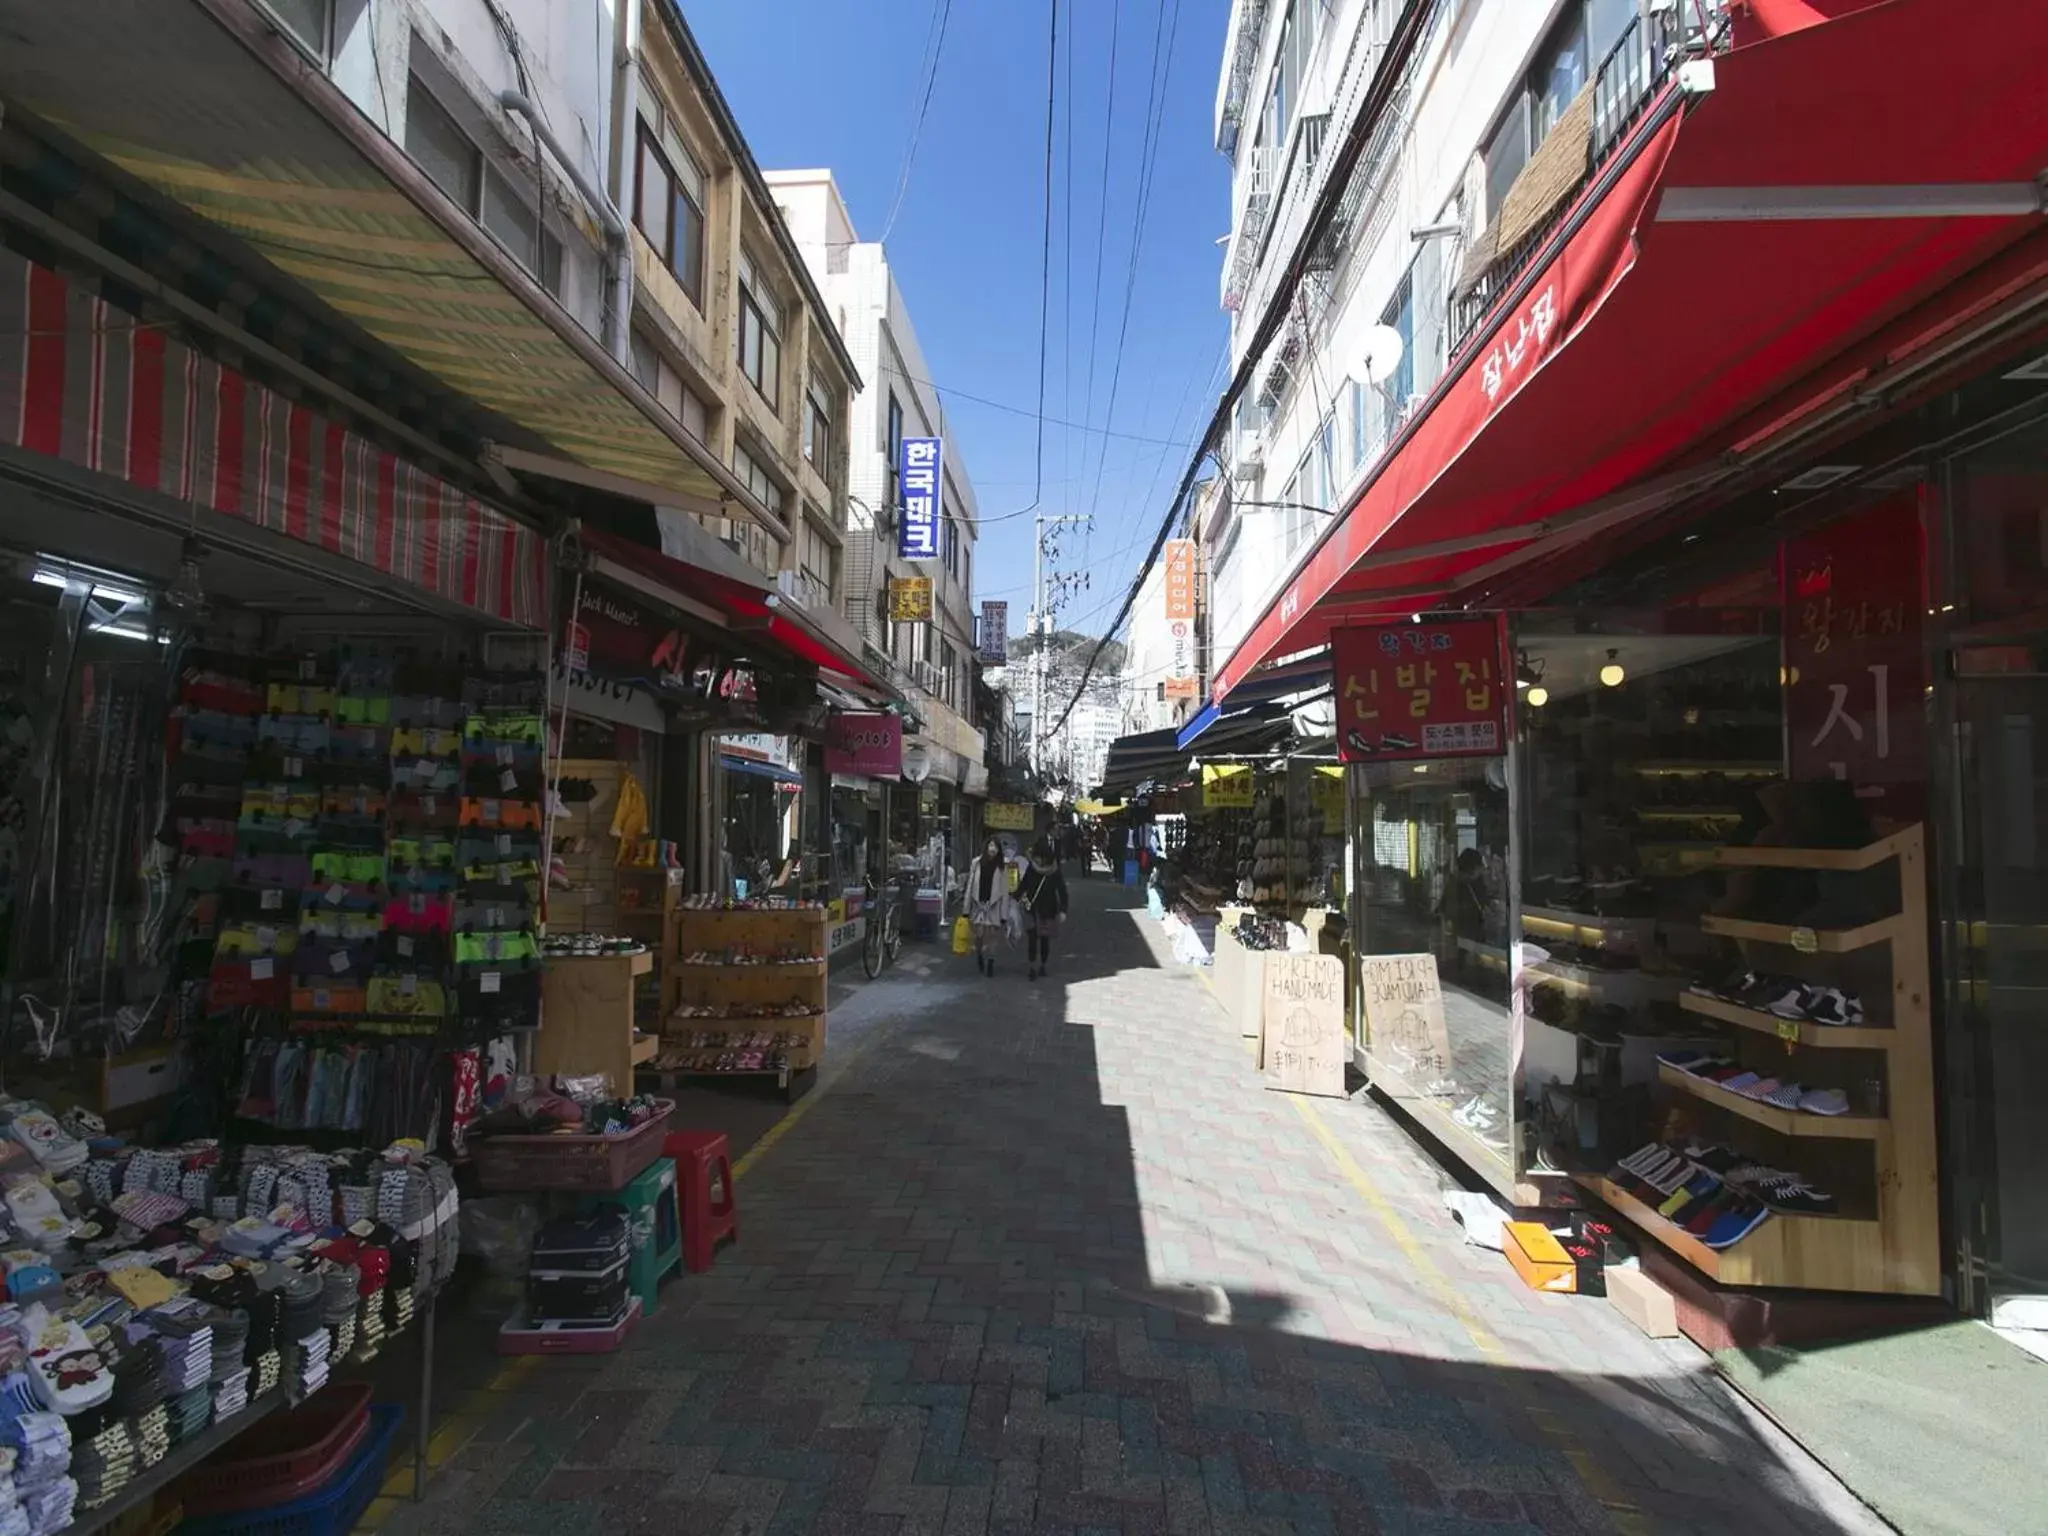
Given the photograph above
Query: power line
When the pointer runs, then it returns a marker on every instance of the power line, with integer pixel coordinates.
(1101, 228)
(943, 10)
(1052, 60)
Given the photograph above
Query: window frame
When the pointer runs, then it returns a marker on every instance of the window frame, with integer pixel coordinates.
(483, 174)
(322, 52)
(686, 266)
(817, 428)
(764, 370)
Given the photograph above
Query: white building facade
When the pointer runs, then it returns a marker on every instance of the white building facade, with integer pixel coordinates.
(1455, 172)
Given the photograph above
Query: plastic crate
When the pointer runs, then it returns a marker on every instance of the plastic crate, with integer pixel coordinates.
(576, 1164)
(333, 1511)
(285, 1457)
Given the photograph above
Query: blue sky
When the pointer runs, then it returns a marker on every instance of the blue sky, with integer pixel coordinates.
(837, 82)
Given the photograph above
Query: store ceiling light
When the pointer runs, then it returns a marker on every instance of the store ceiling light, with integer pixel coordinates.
(1538, 696)
(108, 586)
(1612, 675)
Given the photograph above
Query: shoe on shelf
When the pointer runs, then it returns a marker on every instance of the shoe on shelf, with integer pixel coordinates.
(1784, 1096)
(1824, 1101)
(1743, 1083)
(1734, 1225)
(1833, 1006)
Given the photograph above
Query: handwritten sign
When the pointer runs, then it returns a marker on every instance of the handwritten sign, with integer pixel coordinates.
(1404, 1015)
(1302, 1047)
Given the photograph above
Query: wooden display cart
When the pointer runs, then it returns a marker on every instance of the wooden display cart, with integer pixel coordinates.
(1887, 1236)
(730, 984)
(587, 1023)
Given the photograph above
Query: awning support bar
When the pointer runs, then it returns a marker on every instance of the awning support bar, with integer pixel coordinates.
(1769, 205)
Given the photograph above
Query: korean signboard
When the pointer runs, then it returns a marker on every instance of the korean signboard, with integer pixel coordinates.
(1856, 678)
(1180, 667)
(1180, 578)
(1226, 785)
(910, 599)
(870, 744)
(1009, 816)
(1407, 691)
(919, 467)
(995, 633)
(1183, 688)
(617, 639)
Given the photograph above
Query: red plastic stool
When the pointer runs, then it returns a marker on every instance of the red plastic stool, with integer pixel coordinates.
(704, 1193)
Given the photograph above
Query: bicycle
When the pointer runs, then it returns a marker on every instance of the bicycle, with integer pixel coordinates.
(882, 939)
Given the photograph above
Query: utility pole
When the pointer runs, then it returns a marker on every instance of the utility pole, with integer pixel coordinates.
(1041, 626)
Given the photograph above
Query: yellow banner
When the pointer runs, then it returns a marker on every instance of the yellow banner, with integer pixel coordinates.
(1226, 785)
(910, 599)
(1326, 794)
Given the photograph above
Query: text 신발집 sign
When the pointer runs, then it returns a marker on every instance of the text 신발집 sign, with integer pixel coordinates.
(919, 467)
(1406, 691)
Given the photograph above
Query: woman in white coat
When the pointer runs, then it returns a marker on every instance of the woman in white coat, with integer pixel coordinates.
(988, 905)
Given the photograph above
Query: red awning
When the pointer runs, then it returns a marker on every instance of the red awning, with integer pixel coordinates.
(1727, 252)
(751, 607)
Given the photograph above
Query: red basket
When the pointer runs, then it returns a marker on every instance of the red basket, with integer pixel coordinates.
(580, 1164)
(282, 1458)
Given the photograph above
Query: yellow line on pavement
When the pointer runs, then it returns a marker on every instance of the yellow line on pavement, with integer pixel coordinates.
(1627, 1518)
(802, 1106)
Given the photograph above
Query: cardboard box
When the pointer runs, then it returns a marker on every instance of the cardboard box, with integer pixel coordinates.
(1643, 1302)
(1538, 1257)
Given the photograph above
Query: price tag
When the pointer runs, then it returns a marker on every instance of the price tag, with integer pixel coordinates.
(339, 962)
(323, 1000)
(369, 738)
(408, 984)
(508, 781)
(1805, 940)
(266, 937)
(504, 842)
(493, 917)
(505, 757)
(405, 946)
(488, 809)
(294, 767)
(1788, 1031)
(417, 902)
(424, 768)
(488, 982)
(272, 901)
(428, 806)
(262, 970)
(306, 670)
(293, 826)
(337, 893)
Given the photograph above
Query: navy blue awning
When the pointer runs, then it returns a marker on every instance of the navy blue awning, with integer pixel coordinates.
(760, 769)
(1274, 683)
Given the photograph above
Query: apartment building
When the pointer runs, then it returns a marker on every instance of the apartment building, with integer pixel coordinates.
(1487, 124)
(896, 400)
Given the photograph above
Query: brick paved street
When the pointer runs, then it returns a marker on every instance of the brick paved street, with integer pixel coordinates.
(1045, 1257)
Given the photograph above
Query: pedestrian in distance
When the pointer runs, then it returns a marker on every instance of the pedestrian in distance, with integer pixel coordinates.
(1043, 894)
(989, 904)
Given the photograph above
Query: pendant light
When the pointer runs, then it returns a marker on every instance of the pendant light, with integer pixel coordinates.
(1611, 675)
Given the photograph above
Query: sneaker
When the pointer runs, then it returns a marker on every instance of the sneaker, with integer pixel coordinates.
(1735, 1225)
(1824, 1101)
(1743, 1083)
(1784, 1096)
(1833, 1006)
(1796, 1199)
(1785, 1001)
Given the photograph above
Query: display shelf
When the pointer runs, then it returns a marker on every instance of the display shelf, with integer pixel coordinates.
(1684, 767)
(737, 1021)
(1839, 1253)
(1822, 1036)
(645, 1048)
(787, 967)
(722, 986)
(139, 1491)
(1786, 1122)
(587, 1016)
(1826, 941)
(1867, 857)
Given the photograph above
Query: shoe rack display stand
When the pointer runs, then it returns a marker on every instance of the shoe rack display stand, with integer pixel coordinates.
(725, 985)
(1894, 1249)
(1238, 975)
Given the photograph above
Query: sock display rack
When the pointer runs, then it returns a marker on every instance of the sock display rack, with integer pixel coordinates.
(744, 995)
(1867, 1132)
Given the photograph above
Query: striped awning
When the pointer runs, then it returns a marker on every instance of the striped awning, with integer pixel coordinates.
(188, 97)
(86, 383)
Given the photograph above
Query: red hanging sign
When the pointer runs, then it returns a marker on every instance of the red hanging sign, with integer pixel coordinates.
(1407, 691)
(869, 744)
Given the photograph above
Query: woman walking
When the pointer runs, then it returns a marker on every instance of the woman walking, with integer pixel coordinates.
(1043, 894)
(988, 904)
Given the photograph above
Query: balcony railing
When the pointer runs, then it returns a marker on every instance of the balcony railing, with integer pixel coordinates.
(1628, 80)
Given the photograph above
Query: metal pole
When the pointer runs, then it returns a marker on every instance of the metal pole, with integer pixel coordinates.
(1037, 634)
(426, 1409)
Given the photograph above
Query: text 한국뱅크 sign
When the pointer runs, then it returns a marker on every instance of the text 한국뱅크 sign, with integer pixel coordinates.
(1408, 691)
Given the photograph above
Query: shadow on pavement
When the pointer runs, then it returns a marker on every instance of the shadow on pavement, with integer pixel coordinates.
(945, 1313)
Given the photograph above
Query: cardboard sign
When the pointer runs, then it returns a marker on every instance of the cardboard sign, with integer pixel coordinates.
(1302, 1048)
(1404, 1015)
(1408, 691)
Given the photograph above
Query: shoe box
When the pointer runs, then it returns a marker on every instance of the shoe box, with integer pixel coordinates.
(1643, 1302)
(1571, 1263)
(579, 1269)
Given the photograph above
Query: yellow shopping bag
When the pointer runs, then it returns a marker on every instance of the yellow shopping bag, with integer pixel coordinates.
(963, 936)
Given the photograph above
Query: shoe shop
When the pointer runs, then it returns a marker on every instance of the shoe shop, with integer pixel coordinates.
(1694, 801)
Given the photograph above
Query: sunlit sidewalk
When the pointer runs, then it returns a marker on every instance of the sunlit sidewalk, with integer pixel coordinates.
(1047, 1257)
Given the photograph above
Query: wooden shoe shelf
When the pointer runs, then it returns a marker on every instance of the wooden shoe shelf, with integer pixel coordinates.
(727, 987)
(1893, 1245)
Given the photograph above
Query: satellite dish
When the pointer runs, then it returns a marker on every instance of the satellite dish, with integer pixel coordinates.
(1376, 355)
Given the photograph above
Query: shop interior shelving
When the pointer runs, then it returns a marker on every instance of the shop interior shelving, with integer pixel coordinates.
(1887, 1239)
(734, 984)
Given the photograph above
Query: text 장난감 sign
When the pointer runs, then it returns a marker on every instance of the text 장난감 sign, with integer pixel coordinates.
(1302, 1048)
(1403, 1002)
(1407, 691)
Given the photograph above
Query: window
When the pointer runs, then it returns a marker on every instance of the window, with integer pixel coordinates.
(502, 204)
(668, 199)
(1559, 76)
(949, 544)
(1505, 153)
(309, 23)
(818, 426)
(818, 562)
(759, 338)
(756, 479)
(1563, 66)
(1298, 33)
(668, 388)
(892, 443)
(1400, 315)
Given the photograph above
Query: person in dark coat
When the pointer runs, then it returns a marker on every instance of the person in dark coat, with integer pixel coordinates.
(1043, 895)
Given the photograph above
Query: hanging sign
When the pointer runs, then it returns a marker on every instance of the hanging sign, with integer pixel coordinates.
(910, 599)
(1302, 1048)
(1226, 786)
(1326, 797)
(995, 633)
(1010, 815)
(919, 465)
(619, 639)
(870, 745)
(1403, 1003)
(1183, 688)
(1407, 691)
(1180, 578)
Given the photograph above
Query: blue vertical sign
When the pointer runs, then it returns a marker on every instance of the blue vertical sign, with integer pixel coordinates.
(917, 478)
